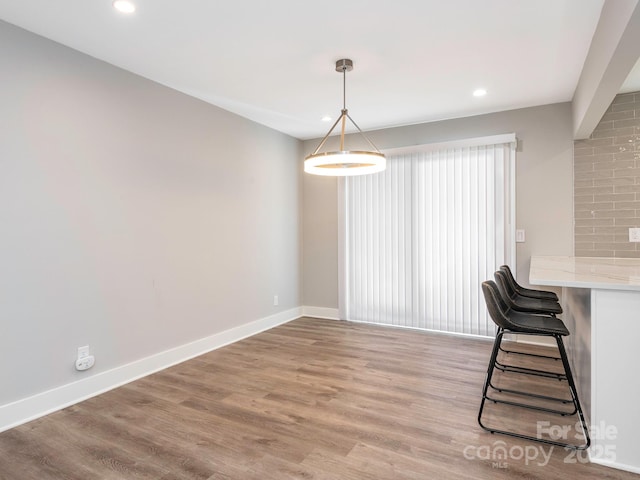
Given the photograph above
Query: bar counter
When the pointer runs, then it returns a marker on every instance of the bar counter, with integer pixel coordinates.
(601, 303)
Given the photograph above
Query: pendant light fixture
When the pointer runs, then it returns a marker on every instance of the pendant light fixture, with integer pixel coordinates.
(343, 162)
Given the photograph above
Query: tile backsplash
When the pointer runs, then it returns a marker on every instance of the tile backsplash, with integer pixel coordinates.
(607, 182)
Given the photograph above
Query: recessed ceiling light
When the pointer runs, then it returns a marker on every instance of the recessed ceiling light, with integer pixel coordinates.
(479, 92)
(326, 118)
(124, 6)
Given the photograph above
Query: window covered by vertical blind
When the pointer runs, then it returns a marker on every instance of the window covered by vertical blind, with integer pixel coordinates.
(420, 237)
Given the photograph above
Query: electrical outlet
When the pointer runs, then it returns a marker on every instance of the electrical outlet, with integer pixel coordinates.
(634, 234)
(85, 360)
(85, 363)
(275, 300)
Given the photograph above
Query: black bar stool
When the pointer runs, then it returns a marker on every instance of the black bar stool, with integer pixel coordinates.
(520, 303)
(510, 321)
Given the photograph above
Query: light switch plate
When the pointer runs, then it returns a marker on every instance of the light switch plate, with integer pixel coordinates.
(520, 236)
(634, 234)
(83, 352)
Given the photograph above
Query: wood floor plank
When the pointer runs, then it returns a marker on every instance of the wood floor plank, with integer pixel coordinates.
(311, 399)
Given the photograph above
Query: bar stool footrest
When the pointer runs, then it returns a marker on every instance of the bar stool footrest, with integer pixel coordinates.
(532, 395)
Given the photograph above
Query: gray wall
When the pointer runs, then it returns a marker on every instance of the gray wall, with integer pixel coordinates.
(543, 184)
(133, 218)
(607, 182)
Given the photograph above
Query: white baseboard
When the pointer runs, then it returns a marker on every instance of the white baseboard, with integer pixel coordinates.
(617, 466)
(321, 312)
(30, 408)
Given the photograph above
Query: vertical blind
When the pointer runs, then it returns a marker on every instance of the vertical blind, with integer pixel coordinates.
(420, 237)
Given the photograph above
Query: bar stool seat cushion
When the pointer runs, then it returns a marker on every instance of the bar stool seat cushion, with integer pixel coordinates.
(544, 324)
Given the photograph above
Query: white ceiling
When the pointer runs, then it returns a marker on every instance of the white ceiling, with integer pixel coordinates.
(632, 84)
(273, 61)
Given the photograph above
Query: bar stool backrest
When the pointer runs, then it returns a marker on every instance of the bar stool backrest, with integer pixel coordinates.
(509, 277)
(498, 309)
(504, 288)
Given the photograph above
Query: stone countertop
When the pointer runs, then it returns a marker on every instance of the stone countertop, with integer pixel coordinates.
(586, 272)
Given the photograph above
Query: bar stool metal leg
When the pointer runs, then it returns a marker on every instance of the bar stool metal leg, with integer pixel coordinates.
(572, 388)
(487, 381)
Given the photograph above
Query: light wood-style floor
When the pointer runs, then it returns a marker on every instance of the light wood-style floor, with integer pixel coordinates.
(312, 399)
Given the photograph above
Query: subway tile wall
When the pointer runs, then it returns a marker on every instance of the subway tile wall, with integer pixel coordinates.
(607, 183)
